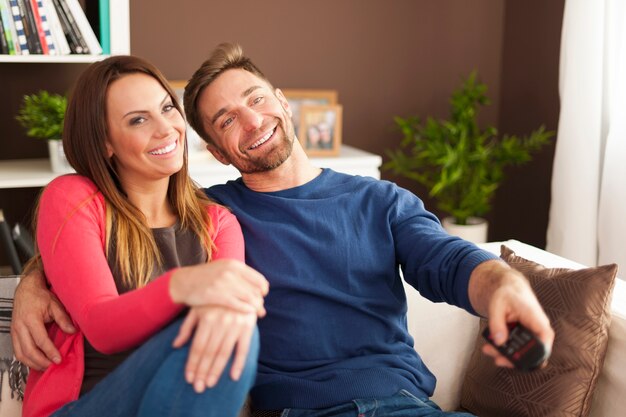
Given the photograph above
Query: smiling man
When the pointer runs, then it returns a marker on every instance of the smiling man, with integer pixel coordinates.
(335, 341)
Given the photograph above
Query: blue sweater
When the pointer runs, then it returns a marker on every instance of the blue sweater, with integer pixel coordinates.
(336, 326)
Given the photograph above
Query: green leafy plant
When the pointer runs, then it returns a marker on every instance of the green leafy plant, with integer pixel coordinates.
(461, 164)
(42, 115)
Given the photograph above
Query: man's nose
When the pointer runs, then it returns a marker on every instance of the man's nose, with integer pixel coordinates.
(251, 120)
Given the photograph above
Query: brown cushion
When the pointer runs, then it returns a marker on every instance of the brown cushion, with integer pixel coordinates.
(577, 303)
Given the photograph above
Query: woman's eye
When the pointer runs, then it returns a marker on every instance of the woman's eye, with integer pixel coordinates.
(168, 107)
(137, 120)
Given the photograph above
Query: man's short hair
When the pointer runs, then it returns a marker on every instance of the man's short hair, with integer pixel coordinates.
(226, 56)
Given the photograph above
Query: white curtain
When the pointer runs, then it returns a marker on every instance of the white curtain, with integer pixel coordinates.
(588, 208)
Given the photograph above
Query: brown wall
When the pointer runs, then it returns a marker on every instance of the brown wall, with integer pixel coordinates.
(385, 58)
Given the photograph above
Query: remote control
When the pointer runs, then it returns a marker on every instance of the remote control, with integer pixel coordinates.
(522, 348)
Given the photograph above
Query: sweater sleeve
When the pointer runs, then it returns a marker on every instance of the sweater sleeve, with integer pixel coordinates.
(227, 235)
(71, 238)
(437, 264)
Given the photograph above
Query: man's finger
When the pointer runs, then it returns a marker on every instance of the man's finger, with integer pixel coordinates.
(27, 352)
(61, 318)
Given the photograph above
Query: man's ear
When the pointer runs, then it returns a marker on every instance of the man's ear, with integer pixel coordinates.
(217, 154)
(283, 101)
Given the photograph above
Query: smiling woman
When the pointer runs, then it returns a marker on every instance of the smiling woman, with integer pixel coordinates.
(126, 245)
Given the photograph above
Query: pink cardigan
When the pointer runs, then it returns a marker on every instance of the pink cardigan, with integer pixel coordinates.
(71, 238)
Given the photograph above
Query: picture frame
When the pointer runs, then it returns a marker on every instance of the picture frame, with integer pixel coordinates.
(303, 97)
(195, 144)
(320, 129)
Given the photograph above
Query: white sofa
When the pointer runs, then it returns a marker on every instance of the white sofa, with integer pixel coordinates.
(445, 337)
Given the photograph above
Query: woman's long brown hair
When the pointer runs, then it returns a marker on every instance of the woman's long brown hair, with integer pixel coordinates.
(84, 137)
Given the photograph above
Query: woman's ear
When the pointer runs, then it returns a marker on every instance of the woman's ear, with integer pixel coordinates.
(109, 149)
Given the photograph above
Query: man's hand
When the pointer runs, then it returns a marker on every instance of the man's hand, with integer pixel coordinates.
(503, 295)
(34, 306)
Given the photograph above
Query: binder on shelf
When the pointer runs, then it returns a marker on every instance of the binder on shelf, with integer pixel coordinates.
(19, 27)
(7, 243)
(84, 27)
(56, 30)
(30, 27)
(23, 241)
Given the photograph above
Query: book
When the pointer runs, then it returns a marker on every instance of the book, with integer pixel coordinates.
(105, 26)
(30, 28)
(84, 27)
(9, 248)
(4, 46)
(7, 26)
(73, 41)
(19, 27)
(47, 33)
(38, 26)
(56, 30)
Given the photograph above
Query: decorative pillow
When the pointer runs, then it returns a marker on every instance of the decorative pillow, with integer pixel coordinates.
(12, 373)
(578, 305)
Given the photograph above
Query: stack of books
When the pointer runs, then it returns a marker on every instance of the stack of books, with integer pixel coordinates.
(50, 27)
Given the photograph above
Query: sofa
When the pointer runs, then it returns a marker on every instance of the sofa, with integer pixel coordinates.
(445, 337)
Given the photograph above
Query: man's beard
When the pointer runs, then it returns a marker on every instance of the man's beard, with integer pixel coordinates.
(284, 137)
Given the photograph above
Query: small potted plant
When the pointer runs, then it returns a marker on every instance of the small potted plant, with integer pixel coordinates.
(461, 164)
(42, 115)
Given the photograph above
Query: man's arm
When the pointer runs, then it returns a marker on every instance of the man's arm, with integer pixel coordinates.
(503, 295)
(33, 307)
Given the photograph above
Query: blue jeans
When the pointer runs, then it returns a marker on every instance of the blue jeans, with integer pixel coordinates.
(150, 382)
(403, 404)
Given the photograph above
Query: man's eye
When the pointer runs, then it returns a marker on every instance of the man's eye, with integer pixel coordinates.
(227, 122)
(257, 100)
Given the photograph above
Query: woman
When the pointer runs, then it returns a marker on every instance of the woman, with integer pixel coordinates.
(124, 245)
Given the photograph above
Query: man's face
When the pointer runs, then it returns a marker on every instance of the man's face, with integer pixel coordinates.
(249, 122)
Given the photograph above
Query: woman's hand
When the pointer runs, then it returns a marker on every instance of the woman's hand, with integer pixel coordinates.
(217, 331)
(224, 282)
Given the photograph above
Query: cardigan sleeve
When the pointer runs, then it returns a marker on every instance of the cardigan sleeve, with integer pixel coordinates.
(71, 239)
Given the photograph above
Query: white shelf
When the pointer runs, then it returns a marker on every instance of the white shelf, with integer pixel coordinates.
(204, 169)
(51, 59)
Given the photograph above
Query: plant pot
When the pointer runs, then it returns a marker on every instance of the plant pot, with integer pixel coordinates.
(58, 161)
(475, 231)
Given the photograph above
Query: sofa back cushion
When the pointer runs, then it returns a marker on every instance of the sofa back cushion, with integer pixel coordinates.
(578, 305)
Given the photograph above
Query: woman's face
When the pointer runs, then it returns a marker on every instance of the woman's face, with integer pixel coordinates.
(146, 132)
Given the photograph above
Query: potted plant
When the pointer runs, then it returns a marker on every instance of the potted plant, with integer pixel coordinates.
(461, 164)
(42, 115)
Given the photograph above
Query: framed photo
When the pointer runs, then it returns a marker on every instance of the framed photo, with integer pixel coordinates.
(320, 129)
(194, 141)
(299, 98)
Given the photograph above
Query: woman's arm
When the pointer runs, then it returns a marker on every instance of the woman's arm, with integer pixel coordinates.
(71, 238)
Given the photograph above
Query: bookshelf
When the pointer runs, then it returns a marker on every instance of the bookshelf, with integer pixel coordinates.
(119, 19)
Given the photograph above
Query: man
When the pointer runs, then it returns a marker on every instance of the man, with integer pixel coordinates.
(335, 341)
